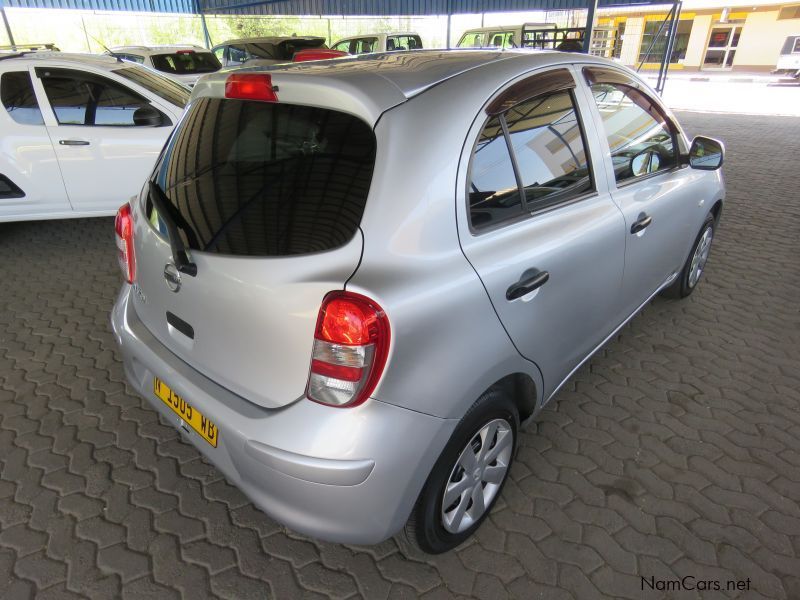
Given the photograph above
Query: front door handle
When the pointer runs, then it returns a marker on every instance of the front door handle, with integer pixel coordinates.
(641, 223)
(73, 142)
(531, 280)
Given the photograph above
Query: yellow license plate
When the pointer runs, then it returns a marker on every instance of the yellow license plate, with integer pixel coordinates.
(190, 415)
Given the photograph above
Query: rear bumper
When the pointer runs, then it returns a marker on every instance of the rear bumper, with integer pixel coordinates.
(343, 475)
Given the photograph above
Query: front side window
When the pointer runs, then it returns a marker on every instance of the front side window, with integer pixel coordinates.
(19, 98)
(80, 98)
(365, 45)
(342, 46)
(639, 137)
(264, 179)
(530, 158)
(471, 40)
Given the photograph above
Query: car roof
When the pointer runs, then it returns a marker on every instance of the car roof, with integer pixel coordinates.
(369, 84)
(508, 27)
(158, 49)
(374, 34)
(273, 39)
(100, 61)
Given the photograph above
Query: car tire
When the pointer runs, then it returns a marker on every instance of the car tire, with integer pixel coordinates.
(695, 264)
(483, 441)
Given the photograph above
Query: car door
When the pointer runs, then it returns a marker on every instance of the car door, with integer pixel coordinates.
(30, 180)
(540, 228)
(106, 136)
(658, 196)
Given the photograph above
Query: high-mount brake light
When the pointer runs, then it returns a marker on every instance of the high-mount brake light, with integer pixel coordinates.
(123, 227)
(185, 52)
(251, 86)
(351, 345)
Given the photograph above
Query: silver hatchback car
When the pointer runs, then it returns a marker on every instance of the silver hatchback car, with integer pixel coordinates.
(349, 282)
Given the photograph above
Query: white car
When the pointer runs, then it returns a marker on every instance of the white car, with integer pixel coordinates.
(379, 42)
(185, 64)
(80, 133)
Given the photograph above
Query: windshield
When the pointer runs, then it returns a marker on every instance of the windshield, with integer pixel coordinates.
(260, 179)
(164, 87)
(186, 62)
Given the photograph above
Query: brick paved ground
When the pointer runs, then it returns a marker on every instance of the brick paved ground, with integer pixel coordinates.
(675, 452)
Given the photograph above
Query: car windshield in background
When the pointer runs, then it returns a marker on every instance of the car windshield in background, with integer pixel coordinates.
(259, 179)
(186, 62)
(164, 87)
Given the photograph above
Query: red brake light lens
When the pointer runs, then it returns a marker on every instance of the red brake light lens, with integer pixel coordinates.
(250, 86)
(351, 345)
(185, 52)
(123, 227)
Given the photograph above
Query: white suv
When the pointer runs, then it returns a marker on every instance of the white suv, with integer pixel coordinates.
(80, 132)
(185, 64)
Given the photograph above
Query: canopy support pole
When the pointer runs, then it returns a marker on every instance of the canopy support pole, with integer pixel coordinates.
(591, 8)
(666, 59)
(202, 14)
(8, 27)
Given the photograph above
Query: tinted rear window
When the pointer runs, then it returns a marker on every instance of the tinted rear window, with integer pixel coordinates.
(186, 63)
(260, 179)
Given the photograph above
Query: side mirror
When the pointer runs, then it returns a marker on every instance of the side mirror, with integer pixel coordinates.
(706, 154)
(147, 116)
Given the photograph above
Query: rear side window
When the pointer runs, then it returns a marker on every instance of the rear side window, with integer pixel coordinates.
(19, 99)
(530, 158)
(186, 63)
(261, 179)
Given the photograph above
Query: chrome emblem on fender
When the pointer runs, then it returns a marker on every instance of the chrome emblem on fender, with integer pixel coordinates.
(172, 276)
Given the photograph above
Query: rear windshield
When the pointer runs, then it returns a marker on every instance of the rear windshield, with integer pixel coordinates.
(164, 87)
(186, 63)
(261, 179)
(284, 50)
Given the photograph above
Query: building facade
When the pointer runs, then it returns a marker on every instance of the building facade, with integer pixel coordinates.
(710, 37)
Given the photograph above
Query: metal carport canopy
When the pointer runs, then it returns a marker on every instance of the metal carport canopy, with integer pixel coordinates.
(323, 7)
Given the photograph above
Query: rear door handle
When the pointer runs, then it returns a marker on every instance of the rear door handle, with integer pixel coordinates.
(73, 142)
(531, 280)
(642, 223)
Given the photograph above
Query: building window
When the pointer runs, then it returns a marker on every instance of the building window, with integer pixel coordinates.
(659, 44)
(789, 12)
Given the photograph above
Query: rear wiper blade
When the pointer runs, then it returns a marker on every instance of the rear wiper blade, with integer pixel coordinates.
(163, 205)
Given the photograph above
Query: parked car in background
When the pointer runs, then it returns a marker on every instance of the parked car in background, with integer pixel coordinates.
(789, 59)
(499, 36)
(80, 132)
(349, 283)
(264, 50)
(379, 42)
(185, 64)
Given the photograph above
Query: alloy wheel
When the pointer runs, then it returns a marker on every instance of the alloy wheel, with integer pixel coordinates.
(700, 256)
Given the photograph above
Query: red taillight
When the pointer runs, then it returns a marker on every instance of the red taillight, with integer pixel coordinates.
(317, 54)
(250, 86)
(185, 52)
(351, 344)
(123, 226)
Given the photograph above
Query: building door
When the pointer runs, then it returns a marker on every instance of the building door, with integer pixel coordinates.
(722, 46)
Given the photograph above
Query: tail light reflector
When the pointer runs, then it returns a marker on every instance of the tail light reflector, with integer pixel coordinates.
(123, 226)
(251, 86)
(351, 344)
